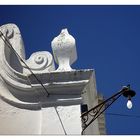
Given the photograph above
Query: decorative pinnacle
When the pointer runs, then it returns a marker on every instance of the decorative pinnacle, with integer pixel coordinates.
(64, 50)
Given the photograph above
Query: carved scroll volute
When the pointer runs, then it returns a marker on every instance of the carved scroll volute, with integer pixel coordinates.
(14, 82)
(13, 38)
(12, 69)
(41, 62)
(12, 33)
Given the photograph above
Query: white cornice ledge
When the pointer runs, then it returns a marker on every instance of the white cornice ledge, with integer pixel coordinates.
(63, 87)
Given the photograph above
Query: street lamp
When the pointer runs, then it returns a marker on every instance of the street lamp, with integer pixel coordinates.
(89, 116)
(129, 94)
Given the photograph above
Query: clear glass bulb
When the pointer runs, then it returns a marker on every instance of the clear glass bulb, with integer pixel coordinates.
(129, 104)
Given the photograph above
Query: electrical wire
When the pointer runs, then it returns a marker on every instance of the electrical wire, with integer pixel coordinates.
(123, 115)
(60, 121)
(6, 41)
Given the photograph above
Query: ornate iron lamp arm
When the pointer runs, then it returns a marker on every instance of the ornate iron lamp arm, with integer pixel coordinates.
(92, 114)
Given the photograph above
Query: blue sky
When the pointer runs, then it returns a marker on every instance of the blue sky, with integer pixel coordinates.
(108, 40)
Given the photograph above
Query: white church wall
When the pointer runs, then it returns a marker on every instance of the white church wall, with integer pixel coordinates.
(37, 99)
(70, 123)
(18, 121)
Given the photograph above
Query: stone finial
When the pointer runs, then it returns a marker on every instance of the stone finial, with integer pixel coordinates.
(64, 50)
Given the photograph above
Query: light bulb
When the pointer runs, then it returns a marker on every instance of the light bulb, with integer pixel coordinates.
(129, 104)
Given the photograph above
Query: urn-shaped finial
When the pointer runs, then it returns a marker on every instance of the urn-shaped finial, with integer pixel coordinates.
(64, 50)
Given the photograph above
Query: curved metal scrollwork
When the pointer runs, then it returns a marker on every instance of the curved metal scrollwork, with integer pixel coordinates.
(91, 115)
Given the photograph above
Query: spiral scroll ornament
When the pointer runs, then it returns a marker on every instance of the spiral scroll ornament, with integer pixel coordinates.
(41, 61)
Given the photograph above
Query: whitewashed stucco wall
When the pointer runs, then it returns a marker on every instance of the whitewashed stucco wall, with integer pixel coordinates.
(25, 107)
